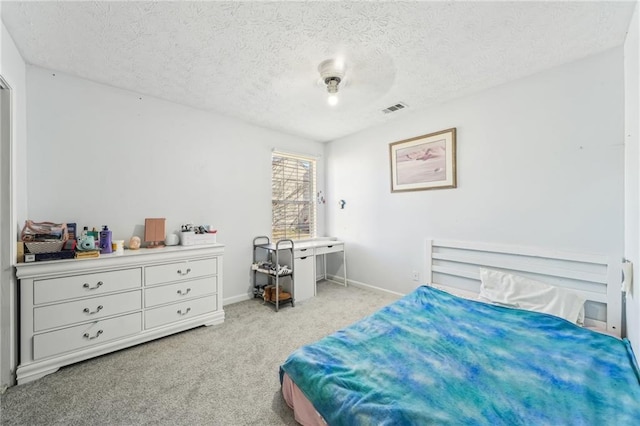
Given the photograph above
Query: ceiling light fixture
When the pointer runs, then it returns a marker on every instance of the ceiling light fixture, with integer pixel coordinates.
(332, 74)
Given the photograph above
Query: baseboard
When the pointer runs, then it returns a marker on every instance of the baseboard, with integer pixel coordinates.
(236, 299)
(334, 279)
(339, 279)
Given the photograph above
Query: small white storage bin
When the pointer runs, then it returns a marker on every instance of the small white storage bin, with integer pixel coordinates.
(192, 239)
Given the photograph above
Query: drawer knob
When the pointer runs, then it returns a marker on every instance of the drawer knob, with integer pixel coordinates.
(88, 286)
(88, 336)
(184, 293)
(185, 312)
(87, 311)
(185, 272)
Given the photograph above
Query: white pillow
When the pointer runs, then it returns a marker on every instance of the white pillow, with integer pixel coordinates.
(524, 293)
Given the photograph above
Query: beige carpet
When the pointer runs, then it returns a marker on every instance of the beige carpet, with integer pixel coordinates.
(222, 375)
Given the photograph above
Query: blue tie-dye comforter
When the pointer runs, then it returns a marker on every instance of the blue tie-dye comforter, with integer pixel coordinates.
(433, 358)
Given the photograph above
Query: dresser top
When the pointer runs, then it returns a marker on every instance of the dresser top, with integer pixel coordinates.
(114, 260)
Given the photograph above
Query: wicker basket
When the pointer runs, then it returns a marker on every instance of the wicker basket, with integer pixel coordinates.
(44, 246)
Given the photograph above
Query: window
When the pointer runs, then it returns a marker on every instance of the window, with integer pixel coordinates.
(293, 188)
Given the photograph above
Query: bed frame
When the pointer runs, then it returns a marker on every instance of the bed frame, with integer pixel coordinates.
(453, 266)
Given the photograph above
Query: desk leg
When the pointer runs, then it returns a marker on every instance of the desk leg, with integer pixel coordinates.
(344, 266)
(315, 277)
(324, 265)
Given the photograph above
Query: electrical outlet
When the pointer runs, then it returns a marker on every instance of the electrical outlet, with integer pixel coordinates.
(415, 275)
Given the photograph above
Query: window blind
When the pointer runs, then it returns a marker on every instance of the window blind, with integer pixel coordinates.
(293, 188)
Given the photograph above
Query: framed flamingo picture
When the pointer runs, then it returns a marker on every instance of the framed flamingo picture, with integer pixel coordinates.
(424, 162)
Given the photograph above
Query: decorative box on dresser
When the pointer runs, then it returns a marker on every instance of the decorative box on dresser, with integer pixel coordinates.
(72, 310)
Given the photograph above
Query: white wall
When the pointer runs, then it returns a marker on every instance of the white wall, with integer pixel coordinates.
(632, 175)
(540, 163)
(104, 156)
(12, 69)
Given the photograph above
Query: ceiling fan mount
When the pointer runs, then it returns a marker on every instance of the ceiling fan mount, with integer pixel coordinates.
(332, 74)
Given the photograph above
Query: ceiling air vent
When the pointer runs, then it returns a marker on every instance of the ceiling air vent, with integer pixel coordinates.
(394, 108)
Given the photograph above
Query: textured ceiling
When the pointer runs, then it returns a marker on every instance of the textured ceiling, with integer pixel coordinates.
(258, 61)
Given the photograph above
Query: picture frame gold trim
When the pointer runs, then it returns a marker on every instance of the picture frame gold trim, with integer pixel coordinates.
(424, 162)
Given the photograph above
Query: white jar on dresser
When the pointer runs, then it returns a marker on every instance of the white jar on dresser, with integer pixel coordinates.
(71, 310)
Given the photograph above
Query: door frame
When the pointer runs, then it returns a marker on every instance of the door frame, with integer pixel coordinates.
(8, 235)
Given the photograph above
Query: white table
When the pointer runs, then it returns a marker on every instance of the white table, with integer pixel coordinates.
(322, 247)
(305, 255)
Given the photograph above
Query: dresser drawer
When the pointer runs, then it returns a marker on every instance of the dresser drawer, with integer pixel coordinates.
(80, 336)
(177, 292)
(330, 249)
(179, 311)
(180, 271)
(74, 286)
(93, 308)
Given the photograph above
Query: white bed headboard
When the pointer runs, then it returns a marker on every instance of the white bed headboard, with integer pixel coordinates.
(453, 266)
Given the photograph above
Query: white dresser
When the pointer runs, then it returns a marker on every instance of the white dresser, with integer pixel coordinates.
(71, 310)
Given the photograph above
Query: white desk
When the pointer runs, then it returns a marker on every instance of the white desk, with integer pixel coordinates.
(305, 254)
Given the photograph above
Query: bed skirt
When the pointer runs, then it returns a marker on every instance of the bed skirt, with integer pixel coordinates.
(303, 410)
